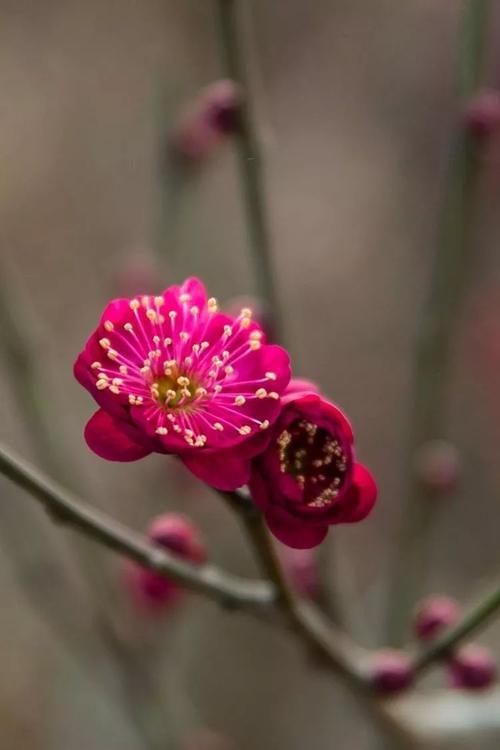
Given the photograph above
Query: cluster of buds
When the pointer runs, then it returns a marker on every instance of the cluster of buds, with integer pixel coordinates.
(470, 667)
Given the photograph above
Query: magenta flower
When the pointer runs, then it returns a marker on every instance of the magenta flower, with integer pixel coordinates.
(175, 533)
(173, 375)
(307, 478)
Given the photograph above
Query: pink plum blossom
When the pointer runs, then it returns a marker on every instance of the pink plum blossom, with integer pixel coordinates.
(307, 478)
(172, 374)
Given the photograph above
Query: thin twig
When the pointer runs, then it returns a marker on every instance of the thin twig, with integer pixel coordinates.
(65, 508)
(432, 356)
(473, 621)
(313, 628)
(250, 159)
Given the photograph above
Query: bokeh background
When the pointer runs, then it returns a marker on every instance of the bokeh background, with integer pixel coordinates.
(356, 108)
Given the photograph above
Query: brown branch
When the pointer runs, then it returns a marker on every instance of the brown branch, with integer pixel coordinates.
(66, 508)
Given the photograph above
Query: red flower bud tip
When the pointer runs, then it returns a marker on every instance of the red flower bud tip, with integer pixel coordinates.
(482, 113)
(472, 668)
(434, 615)
(300, 567)
(391, 671)
(203, 125)
(437, 465)
(154, 592)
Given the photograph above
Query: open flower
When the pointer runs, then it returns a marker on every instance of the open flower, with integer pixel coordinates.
(307, 477)
(173, 375)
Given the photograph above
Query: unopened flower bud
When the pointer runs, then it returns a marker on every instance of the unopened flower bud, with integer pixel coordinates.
(472, 668)
(482, 113)
(151, 591)
(437, 466)
(391, 671)
(300, 567)
(434, 615)
(178, 535)
(207, 120)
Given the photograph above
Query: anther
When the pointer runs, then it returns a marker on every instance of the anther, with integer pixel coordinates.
(161, 431)
(240, 400)
(261, 393)
(105, 343)
(108, 325)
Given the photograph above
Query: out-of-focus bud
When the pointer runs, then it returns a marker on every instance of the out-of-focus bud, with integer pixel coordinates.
(136, 274)
(206, 739)
(472, 668)
(178, 535)
(150, 590)
(260, 312)
(207, 121)
(482, 113)
(301, 570)
(391, 671)
(437, 466)
(434, 615)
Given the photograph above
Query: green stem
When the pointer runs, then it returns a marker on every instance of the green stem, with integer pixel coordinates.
(250, 159)
(451, 270)
(472, 622)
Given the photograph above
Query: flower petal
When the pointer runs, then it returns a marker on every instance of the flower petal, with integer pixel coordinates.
(361, 499)
(110, 439)
(224, 471)
(293, 534)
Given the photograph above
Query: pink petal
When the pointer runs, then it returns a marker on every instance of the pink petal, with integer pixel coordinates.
(110, 439)
(295, 534)
(299, 386)
(361, 498)
(220, 470)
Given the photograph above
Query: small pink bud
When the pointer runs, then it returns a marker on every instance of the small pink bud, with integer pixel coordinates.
(472, 668)
(177, 534)
(204, 124)
(482, 113)
(437, 466)
(150, 590)
(434, 615)
(300, 567)
(391, 671)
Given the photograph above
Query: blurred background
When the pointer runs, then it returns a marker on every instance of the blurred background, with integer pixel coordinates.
(356, 105)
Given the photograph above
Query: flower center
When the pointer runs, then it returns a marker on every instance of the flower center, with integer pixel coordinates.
(172, 391)
(315, 459)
